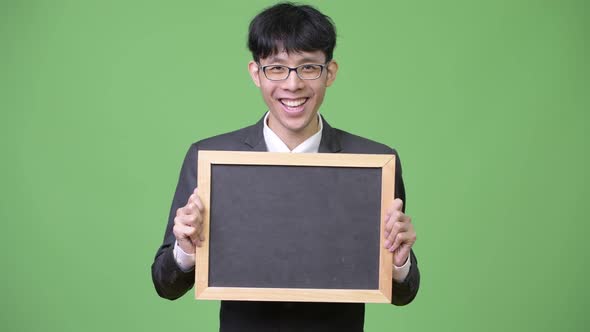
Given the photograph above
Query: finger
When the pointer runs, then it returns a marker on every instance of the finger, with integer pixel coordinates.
(397, 205)
(184, 232)
(395, 217)
(191, 220)
(398, 241)
(198, 203)
(185, 219)
(397, 229)
(195, 214)
(407, 237)
(186, 210)
(191, 198)
(389, 232)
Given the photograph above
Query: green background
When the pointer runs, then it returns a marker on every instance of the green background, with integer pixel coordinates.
(486, 101)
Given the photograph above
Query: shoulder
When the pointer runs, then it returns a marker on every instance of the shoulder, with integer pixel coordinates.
(351, 143)
(233, 140)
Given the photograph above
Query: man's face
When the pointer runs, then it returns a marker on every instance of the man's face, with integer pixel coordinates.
(293, 103)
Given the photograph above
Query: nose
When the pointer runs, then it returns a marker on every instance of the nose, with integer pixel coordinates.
(293, 82)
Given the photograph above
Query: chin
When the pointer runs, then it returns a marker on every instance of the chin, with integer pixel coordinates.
(293, 121)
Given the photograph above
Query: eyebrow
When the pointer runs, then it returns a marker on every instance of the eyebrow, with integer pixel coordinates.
(274, 58)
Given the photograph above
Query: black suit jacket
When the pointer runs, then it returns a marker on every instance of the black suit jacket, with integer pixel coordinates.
(172, 283)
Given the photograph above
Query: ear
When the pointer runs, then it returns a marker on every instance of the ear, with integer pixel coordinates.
(332, 69)
(254, 69)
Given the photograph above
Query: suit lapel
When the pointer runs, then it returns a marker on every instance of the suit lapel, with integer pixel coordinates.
(330, 142)
(255, 138)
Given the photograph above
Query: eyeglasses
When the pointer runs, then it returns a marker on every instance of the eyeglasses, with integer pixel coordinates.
(304, 72)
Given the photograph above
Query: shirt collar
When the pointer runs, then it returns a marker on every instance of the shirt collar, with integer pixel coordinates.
(275, 144)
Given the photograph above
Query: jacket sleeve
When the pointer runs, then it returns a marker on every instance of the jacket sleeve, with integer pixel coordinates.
(404, 292)
(169, 280)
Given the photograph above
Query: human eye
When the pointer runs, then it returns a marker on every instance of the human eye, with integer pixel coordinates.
(309, 68)
(275, 69)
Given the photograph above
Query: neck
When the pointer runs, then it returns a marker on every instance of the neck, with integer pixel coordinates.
(292, 139)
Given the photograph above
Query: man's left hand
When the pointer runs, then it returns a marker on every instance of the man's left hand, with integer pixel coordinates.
(400, 235)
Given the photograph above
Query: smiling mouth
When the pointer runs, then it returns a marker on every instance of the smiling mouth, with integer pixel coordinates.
(293, 103)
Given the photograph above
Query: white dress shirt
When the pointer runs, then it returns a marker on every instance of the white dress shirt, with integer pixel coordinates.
(186, 262)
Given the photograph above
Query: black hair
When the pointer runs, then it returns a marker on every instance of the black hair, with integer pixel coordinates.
(292, 28)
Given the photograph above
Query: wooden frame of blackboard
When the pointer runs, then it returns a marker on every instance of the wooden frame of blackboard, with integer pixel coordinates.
(208, 159)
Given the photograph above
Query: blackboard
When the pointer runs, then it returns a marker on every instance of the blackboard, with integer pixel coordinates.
(294, 227)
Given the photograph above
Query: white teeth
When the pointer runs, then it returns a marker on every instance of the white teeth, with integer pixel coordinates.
(294, 102)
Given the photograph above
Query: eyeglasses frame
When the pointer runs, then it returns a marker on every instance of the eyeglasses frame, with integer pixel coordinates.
(322, 66)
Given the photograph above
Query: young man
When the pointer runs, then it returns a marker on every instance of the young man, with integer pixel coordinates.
(292, 47)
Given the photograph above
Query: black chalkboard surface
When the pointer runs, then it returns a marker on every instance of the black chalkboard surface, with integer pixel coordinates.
(294, 227)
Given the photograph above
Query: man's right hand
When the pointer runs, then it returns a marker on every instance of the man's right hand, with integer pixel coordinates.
(188, 224)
